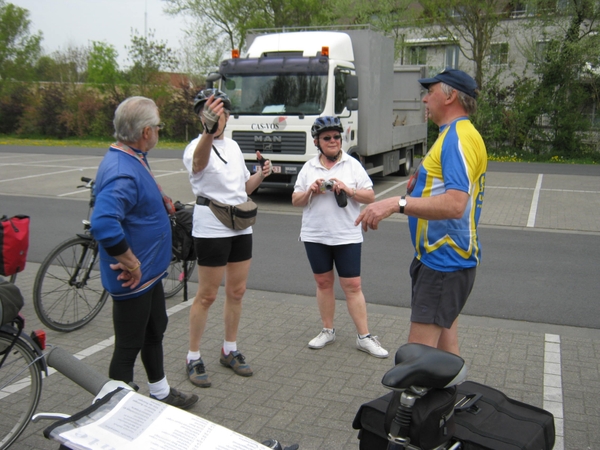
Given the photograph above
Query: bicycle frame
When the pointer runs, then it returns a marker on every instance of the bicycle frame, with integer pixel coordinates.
(85, 262)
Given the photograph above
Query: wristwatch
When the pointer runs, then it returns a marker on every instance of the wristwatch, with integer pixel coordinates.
(402, 204)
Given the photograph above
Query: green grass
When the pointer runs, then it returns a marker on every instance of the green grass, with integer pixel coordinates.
(168, 144)
(163, 144)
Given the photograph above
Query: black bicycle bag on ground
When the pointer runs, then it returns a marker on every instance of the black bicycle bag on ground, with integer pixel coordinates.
(432, 421)
(493, 421)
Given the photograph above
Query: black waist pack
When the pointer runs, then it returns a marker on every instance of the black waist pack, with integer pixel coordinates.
(432, 421)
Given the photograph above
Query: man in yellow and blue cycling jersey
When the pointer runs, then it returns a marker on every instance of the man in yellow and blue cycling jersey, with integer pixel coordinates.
(443, 205)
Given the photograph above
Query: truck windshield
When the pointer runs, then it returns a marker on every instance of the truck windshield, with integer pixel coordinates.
(264, 94)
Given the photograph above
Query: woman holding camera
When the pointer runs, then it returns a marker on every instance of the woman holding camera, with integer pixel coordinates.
(331, 187)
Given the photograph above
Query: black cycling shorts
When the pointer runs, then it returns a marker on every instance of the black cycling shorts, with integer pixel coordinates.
(217, 252)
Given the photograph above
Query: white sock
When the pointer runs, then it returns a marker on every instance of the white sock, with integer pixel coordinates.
(192, 356)
(331, 330)
(229, 347)
(160, 389)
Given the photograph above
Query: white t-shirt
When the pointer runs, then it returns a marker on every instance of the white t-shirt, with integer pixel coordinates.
(221, 181)
(323, 221)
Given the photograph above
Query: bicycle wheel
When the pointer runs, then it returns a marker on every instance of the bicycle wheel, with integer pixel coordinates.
(68, 292)
(173, 282)
(20, 388)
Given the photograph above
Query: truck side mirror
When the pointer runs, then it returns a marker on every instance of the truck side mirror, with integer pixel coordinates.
(352, 104)
(211, 78)
(351, 86)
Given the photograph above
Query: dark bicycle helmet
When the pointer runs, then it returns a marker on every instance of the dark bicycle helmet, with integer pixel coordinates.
(325, 123)
(204, 94)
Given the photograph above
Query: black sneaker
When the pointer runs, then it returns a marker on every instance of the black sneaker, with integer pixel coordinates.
(178, 399)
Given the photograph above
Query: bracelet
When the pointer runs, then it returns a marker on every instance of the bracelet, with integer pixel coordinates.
(133, 269)
(353, 192)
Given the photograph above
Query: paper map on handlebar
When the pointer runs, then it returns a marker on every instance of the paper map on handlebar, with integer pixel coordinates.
(132, 421)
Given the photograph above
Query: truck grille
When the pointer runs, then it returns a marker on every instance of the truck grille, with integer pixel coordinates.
(292, 143)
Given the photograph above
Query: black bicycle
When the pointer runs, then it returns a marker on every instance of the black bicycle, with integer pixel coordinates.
(21, 367)
(68, 292)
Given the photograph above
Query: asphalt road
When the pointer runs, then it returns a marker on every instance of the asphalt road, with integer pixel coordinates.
(544, 277)
(530, 274)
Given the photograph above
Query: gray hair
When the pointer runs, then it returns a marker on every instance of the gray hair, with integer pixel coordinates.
(132, 116)
(466, 101)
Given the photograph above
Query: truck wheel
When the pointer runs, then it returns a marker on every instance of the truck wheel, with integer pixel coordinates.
(405, 168)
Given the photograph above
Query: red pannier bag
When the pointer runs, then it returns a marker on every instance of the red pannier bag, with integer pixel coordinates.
(14, 243)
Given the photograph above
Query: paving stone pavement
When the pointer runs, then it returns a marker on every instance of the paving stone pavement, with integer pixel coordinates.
(310, 397)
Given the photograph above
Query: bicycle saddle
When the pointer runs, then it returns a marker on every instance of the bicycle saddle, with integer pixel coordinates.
(424, 366)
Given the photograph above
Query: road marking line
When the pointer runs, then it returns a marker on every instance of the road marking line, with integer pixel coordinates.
(553, 394)
(534, 201)
(40, 175)
(396, 186)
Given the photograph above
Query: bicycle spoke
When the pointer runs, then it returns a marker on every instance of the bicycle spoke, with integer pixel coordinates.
(20, 389)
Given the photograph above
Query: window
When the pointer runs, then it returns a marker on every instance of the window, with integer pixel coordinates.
(499, 54)
(340, 92)
(417, 56)
(518, 9)
(452, 52)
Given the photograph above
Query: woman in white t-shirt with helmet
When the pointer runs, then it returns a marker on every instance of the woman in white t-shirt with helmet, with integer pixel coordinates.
(217, 171)
(331, 187)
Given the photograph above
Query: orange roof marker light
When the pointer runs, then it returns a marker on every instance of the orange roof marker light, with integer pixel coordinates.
(235, 53)
(325, 51)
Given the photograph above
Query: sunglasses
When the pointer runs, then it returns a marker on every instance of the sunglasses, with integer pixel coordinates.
(160, 126)
(337, 137)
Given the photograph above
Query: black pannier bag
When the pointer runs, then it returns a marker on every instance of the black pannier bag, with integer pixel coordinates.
(11, 301)
(493, 421)
(432, 422)
(181, 230)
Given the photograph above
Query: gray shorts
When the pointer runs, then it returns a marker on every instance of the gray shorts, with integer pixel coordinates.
(439, 297)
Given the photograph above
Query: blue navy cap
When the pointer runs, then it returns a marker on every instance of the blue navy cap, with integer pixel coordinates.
(455, 78)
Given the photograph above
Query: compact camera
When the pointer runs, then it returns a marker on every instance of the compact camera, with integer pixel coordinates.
(327, 185)
(341, 198)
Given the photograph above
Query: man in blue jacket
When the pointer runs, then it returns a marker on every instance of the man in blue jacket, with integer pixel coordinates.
(131, 223)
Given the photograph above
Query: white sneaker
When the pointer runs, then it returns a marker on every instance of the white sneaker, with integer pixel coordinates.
(324, 338)
(371, 345)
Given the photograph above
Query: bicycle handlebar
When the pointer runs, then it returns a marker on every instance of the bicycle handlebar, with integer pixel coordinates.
(76, 370)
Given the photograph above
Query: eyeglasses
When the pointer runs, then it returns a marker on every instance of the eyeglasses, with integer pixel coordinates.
(160, 126)
(337, 137)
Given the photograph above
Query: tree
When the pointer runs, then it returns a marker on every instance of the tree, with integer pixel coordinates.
(475, 22)
(568, 76)
(64, 66)
(19, 49)
(225, 23)
(102, 66)
(149, 57)
(392, 17)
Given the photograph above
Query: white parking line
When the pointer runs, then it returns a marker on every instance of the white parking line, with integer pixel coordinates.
(534, 201)
(78, 169)
(396, 186)
(553, 394)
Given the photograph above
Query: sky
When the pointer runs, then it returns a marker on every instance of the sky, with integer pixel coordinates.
(77, 22)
